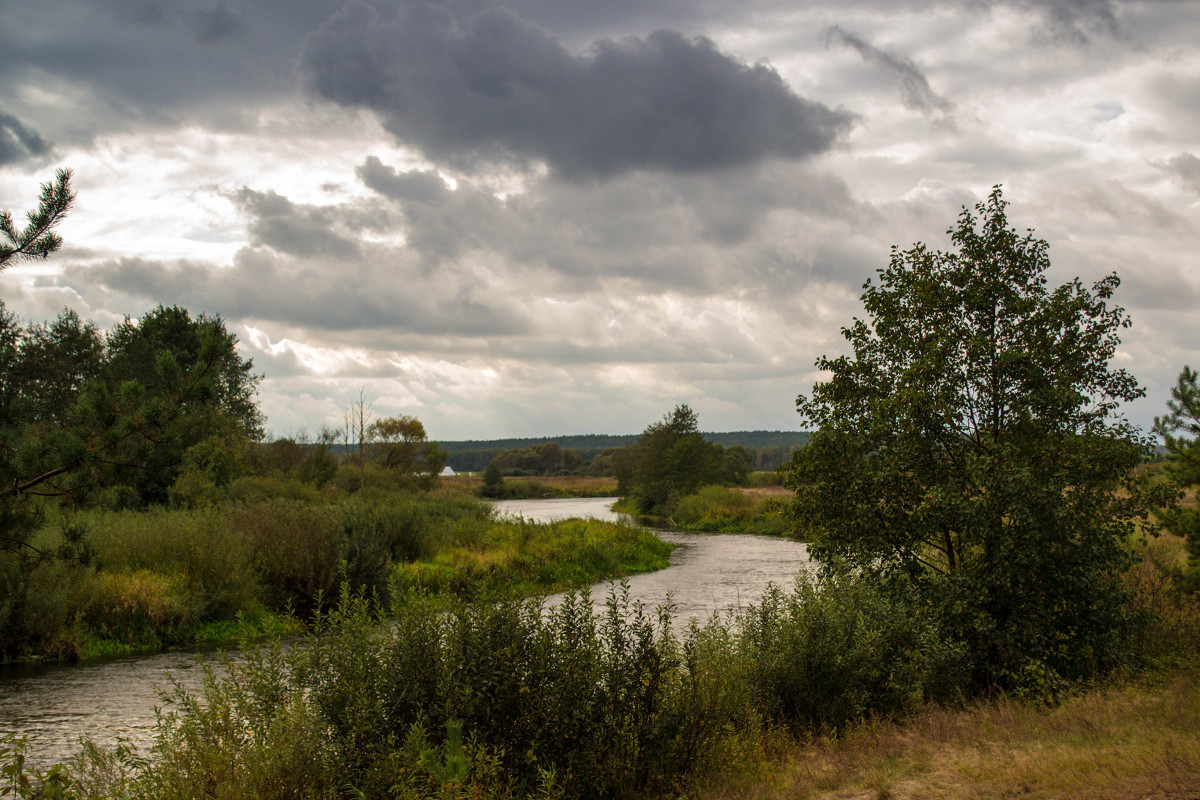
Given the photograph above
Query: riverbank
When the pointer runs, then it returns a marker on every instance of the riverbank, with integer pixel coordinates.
(531, 488)
(815, 693)
(722, 509)
(164, 579)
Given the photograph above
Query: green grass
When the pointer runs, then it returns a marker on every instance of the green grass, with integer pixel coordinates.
(721, 509)
(251, 569)
(532, 558)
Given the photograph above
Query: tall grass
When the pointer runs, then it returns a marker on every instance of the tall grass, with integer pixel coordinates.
(164, 577)
(720, 509)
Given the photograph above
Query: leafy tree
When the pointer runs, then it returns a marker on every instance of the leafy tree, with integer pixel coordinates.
(736, 462)
(56, 361)
(1180, 431)
(399, 443)
(493, 481)
(971, 446)
(671, 459)
(192, 365)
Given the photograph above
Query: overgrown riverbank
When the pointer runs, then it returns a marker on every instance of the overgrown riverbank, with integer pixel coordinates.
(838, 688)
(172, 578)
(721, 509)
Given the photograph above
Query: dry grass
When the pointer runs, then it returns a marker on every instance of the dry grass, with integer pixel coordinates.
(567, 483)
(761, 492)
(1134, 742)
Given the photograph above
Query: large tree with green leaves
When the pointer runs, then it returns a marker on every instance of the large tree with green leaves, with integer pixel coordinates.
(971, 444)
(671, 459)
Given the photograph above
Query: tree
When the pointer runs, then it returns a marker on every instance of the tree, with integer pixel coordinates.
(56, 362)
(672, 459)
(1180, 431)
(400, 443)
(971, 445)
(493, 481)
(37, 240)
(192, 366)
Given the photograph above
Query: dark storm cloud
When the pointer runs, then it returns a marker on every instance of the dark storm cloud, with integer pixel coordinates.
(213, 25)
(916, 93)
(497, 86)
(18, 141)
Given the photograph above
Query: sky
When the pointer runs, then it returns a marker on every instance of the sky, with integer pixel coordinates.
(525, 218)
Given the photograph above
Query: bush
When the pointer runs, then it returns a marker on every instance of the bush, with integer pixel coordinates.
(214, 560)
(140, 608)
(298, 550)
(843, 646)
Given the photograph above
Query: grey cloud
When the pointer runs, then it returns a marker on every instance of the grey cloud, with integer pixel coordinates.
(691, 234)
(301, 230)
(1077, 21)
(213, 25)
(496, 86)
(421, 186)
(330, 297)
(1185, 167)
(915, 90)
(18, 141)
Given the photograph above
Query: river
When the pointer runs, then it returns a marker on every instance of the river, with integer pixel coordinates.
(55, 705)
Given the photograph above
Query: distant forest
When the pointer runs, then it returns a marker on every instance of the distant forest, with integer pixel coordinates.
(767, 449)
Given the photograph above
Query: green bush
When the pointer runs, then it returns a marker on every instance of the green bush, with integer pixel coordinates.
(843, 646)
(298, 550)
(140, 608)
(249, 488)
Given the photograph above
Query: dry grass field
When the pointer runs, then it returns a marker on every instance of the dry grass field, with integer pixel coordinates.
(1134, 742)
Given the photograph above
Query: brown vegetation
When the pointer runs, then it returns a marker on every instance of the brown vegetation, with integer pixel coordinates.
(1134, 742)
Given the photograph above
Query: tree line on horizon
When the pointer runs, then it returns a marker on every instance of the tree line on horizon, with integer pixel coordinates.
(598, 454)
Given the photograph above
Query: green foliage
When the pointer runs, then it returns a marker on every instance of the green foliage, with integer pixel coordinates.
(37, 239)
(970, 445)
(488, 558)
(672, 459)
(193, 366)
(718, 509)
(1180, 430)
(843, 646)
(509, 698)
(493, 481)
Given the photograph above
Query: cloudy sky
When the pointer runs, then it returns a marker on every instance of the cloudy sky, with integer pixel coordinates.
(538, 217)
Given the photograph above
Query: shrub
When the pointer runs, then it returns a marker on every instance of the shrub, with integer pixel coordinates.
(298, 550)
(215, 561)
(140, 608)
(843, 646)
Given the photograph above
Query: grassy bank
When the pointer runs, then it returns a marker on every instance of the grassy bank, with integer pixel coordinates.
(1127, 741)
(528, 488)
(174, 578)
(723, 509)
(531, 558)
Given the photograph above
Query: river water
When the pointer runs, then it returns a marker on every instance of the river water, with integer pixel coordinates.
(56, 705)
